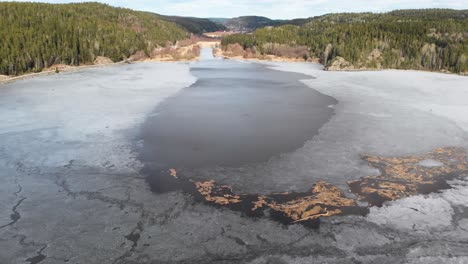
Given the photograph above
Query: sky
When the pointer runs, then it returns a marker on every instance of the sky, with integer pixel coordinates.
(279, 9)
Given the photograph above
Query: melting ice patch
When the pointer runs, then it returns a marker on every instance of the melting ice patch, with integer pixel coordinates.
(430, 163)
(423, 212)
(458, 194)
(417, 213)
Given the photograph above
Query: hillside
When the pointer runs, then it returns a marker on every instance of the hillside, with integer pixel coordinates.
(219, 20)
(249, 23)
(36, 35)
(430, 39)
(195, 25)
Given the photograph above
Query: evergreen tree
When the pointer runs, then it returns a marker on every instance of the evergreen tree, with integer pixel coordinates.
(431, 39)
(37, 35)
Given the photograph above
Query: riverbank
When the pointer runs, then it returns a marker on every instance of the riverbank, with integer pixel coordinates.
(340, 65)
(272, 58)
(170, 54)
(188, 53)
(181, 54)
(248, 56)
(52, 70)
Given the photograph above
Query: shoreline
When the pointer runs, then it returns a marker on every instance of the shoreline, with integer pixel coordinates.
(4, 79)
(68, 69)
(271, 58)
(289, 60)
(8, 79)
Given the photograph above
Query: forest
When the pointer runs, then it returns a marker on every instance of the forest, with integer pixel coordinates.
(428, 39)
(248, 24)
(35, 36)
(195, 25)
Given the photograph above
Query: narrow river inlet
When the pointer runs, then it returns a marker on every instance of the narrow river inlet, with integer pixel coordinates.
(236, 113)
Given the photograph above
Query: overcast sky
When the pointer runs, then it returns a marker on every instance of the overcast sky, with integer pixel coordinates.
(272, 8)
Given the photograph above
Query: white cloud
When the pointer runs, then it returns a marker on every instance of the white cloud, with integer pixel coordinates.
(273, 8)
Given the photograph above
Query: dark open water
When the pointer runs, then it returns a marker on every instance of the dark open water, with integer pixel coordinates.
(236, 113)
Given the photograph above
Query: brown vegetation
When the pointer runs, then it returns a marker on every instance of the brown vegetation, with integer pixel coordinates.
(287, 51)
(100, 60)
(4, 78)
(406, 176)
(218, 35)
(276, 52)
(174, 53)
(400, 177)
(323, 199)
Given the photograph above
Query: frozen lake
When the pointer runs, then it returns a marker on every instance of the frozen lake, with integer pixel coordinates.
(72, 146)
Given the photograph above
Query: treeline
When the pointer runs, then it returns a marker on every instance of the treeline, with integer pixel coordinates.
(251, 23)
(433, 39)
(195, 25)
(34, 36)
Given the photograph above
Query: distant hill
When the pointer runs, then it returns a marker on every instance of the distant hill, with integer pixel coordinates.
(195, 25)
(424, 39)
(246, 23)
(433, 14)
(251, 23)
(37, 35)
(219, 20)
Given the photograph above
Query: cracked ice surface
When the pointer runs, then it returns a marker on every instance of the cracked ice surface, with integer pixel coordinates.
(83, 119)
(87, 112)
(414, 213)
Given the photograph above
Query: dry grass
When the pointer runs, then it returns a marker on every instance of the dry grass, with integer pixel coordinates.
(271, 52)
(176, 53)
